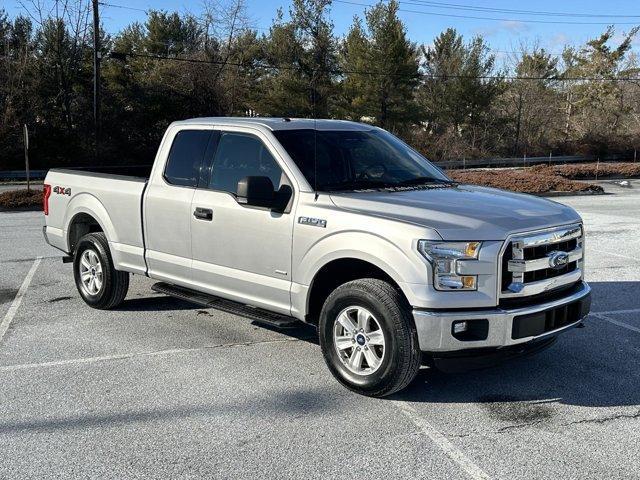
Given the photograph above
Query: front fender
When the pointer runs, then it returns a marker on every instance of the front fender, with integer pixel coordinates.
(393, 259)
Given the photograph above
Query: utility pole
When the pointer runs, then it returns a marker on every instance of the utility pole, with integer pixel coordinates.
(96, 73)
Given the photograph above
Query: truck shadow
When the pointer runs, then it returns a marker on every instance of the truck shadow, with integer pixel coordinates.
(162, 303)
(158, 303)
(593, 367)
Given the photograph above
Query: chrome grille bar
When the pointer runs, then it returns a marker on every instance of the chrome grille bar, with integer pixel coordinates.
(521, 266)
(552, 236)
(541, 286)
(517, 266)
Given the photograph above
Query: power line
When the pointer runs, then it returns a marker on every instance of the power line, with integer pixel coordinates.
(413, 2)
(525, 52)
(121, 55)
(422, 12)
(425, 2)
(458, 6)
(105, 4)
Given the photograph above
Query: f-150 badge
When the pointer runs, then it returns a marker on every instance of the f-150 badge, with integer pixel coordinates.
(314, 222)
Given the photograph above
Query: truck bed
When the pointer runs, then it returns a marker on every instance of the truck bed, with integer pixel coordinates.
(116, 201)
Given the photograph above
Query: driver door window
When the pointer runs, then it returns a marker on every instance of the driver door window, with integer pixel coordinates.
(240, 155)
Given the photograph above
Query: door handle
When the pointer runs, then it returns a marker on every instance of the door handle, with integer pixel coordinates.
(203, 214)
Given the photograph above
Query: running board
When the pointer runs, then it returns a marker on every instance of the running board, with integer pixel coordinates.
(258, 315)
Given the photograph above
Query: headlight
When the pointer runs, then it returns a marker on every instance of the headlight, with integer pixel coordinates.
(444, 257)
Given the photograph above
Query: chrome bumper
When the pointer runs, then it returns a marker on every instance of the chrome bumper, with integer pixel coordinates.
(435, 332)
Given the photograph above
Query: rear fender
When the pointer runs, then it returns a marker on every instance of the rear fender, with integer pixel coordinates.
(88, 204)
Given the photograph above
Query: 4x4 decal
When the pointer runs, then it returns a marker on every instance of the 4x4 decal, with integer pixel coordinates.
(62, 191)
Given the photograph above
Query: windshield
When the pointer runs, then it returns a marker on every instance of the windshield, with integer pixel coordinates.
(356, 160)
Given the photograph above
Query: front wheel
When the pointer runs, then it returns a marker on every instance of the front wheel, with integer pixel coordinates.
(100, 285)
(368, 337)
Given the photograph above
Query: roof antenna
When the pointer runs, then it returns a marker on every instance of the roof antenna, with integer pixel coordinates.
(315, 134)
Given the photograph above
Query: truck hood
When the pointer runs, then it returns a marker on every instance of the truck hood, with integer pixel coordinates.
(462, 212)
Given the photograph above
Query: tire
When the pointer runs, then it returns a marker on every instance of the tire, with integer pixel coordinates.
(386, 314)
(92, 259)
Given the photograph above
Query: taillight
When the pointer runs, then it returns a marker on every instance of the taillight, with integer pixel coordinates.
(46, 193)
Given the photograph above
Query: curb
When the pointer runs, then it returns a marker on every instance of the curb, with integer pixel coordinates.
(571, 194)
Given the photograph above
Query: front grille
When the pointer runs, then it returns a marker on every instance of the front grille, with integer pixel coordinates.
(538, 262)
(555, 294)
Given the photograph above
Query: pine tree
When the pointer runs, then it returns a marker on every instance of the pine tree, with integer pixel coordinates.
(380, 68)
(303, 52)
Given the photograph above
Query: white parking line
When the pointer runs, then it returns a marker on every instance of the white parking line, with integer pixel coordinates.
(453, 452)
(125, 356)
(616, 322)
(617, 312)
(6, 321)
(616, 255)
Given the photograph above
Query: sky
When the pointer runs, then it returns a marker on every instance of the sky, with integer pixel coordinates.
(503, 28)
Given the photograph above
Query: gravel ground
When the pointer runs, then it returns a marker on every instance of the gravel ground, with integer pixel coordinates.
(161, 388)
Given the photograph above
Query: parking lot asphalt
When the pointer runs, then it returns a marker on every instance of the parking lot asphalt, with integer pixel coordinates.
(164, 389)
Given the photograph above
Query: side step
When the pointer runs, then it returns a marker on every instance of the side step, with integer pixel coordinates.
(271, 319)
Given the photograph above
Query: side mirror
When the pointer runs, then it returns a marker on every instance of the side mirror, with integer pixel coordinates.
(256, 192)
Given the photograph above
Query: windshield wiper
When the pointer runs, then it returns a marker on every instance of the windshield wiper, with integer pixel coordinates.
(422, 181)
(380, 184)
(357, 185)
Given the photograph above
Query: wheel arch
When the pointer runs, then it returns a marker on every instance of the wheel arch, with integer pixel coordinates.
(353, 254)
(339, 271)
(86, 214)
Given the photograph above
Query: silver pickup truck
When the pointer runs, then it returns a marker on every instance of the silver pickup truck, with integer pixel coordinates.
(333, 223)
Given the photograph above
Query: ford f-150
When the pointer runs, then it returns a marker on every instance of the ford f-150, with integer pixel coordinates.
(334, 223)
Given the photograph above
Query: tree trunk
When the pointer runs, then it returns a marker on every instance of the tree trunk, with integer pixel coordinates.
(518, 124)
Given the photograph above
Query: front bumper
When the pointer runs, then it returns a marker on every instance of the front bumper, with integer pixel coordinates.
(506, 327)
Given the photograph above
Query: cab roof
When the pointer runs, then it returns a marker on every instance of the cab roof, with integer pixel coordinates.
(273, 123)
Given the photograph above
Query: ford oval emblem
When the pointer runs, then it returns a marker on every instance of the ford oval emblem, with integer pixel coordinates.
(558, 260)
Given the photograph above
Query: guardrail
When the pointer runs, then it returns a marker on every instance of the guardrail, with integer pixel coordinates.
(528, 161)
(20, 175)
(446, 164)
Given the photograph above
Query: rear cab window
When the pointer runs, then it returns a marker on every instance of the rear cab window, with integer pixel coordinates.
(185, 159)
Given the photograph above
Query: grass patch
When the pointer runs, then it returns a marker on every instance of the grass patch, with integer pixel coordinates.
(531, 180)
(585, 171)
(20, 199)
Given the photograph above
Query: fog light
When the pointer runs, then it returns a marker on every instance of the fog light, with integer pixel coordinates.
(460, 327)
(470, 330)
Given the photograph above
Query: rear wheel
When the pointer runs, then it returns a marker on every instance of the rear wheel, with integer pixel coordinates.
(368, 337)
(100, 285)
